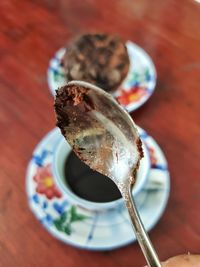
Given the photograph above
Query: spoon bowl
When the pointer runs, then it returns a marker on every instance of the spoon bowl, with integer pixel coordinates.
(100, 131)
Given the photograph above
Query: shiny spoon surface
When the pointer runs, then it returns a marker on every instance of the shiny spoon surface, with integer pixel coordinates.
(104, 136)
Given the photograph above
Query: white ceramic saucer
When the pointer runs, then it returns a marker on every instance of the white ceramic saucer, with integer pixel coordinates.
(88, 229)
(136, 88)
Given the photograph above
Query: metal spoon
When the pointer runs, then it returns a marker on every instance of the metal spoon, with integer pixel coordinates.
(105, 137)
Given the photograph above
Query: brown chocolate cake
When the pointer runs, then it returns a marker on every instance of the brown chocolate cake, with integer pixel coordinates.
(100, 59)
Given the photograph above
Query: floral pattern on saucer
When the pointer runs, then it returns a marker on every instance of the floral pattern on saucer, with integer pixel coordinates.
(136, 88)
(88, 229)
(45, 183)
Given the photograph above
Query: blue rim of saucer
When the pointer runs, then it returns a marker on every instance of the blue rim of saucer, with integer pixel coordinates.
(135, 90)
(161, 167)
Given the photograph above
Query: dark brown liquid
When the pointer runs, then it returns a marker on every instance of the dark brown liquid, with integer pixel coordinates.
(87, 183)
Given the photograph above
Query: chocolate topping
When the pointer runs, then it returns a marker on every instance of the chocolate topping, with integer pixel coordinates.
(100, 59)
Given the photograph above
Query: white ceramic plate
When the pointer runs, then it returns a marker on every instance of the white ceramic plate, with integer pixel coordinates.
(86, 229)
(136, 88)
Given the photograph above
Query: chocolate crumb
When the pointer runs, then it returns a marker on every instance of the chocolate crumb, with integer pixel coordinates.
(139, 147)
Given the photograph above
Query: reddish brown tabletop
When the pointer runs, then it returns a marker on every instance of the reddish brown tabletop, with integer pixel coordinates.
(30, 33)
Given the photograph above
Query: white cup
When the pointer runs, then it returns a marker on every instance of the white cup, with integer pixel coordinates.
(61, 153)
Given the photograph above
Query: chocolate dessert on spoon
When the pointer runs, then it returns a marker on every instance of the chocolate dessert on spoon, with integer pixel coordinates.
(103, 135)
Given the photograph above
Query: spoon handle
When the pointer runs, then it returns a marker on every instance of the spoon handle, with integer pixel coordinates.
(140, 232)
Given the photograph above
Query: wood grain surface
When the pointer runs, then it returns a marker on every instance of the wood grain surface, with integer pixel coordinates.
(30, 33)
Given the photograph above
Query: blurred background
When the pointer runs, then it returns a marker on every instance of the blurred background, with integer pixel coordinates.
(31, 31)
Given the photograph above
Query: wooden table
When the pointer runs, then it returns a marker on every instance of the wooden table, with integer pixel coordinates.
(30, 33)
